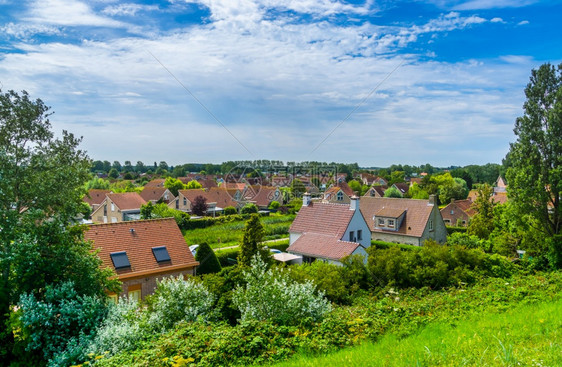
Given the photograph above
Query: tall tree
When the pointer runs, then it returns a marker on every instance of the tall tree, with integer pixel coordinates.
(41, 186)
(174, 185)
(208, 262)
(199, 205)
(251, 242)
(535, 173)
(482, 223)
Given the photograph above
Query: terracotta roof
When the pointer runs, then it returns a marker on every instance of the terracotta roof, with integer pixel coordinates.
(207, 183)
(155, 194)
(159, 182)
(222, 197)
(137, 238)
(95, 196)
(416, 180)
(127, 200)
(390, 212)
(323, 246)
(402, 187)
(346, 189)
(234, 185)
(264, 195)
(500, 197)
(415, 219)
(325, 218)
(193, 193)
(378, 189)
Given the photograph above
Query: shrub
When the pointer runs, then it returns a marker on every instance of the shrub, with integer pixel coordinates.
(176, 300)
(274, 205)
(249, 209)
(272, 296)
(230, 210)
(328, 279)
(50, 325)
(208, 262)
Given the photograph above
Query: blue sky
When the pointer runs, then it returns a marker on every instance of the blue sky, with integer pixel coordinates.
(437, 82)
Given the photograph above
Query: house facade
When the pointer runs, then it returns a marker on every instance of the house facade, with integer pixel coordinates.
(118, 208)
(328, 232)
(408, 221)
(458, 213)
(157, 194)
(141, 253)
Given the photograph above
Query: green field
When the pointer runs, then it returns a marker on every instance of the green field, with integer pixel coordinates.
(527, 335)
(230, 234)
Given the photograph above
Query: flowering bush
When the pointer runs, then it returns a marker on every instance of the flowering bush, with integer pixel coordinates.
(272, 295)
(176, 300)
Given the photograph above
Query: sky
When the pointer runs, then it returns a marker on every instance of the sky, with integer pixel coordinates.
(372, 82)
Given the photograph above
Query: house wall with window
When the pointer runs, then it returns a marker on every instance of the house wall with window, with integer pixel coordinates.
(140, 287)
(360, 229)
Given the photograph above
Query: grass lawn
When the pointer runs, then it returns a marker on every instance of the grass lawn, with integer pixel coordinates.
(230, 234)
(527, 335)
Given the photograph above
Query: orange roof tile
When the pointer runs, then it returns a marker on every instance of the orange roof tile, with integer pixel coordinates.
(323, 246)
(127, 200)
(95, 196)
(155, 194)
(137, 238)
(325, 218)
(158, 182)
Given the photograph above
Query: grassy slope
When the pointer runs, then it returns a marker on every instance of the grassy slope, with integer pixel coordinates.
(529, 335)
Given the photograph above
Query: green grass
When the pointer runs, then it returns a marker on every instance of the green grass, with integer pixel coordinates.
(526, 335)
(230, 234)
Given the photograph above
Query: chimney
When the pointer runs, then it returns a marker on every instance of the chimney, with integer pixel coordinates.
(431, 200)
(354, 205)
(305, 199)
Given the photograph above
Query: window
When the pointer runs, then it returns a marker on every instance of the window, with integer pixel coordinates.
(134, 292)
(431, 225)
(112, 207)
(113, 298)
(113, 220)
(161, 254)
(351, 235)
(391, 223)
(177, 203)
(184, 202)
(452, 211)
(359, 234)
(105, 210)
(381, 222)
(339, 196)
(120, 260)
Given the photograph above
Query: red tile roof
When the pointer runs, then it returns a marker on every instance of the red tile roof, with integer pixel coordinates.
(193, 193)
(323, 246)
(155, 194)
(263, 196)
(402, 187)
(390, 212)
(127, 200)
(95, 196)
(325, 218)
(158, 182)
(138, 238)
(415, 219)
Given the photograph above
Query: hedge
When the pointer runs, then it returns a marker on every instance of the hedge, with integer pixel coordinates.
(451, 229)
(232, 253)
(386, 245)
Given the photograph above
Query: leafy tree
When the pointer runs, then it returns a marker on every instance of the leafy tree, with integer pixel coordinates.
(355, 186)
(97, 166)
(229, 210)
(146, 210)
(249, 209)
(127, 166)
(535, 173)
(457, 190)
(41, 190)
(416, 192)
(162, 165)
(199, 205)
(140, 167)
(297, 188)
(482, 223)
(113, 173)
(97, 183)
(251, 242)
(274, 205)
(117, 166)
(208, 262)
(392, 192)
(178, 171)
(106, 166)
(193, 185)
(174, 185)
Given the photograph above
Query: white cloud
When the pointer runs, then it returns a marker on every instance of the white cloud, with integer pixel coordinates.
(128, 9)
(67, 13)
(497, 20)
(24, 31)
(523, 22)
(492, 4)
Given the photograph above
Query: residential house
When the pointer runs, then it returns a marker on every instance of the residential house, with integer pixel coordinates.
(157, 194)
(402, 187)
(95, 197)
(328, 232)
(262, 196)
(119, 208)
(369, 179)
(141, 253)
(376, 191)
(340, 193)
(157, 182)
(399, 220)
(186, 198)
(217, 199)
(458, 212)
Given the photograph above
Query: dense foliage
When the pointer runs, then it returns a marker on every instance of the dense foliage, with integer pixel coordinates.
(208, 262)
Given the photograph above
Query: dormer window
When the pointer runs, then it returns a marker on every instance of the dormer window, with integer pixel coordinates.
(381, 222)
(120, 260)
(391, 223)
(339, 196)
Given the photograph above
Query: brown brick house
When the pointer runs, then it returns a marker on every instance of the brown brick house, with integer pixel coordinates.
(142, 252)
(458, 212)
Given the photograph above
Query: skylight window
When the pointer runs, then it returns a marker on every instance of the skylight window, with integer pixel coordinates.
(161, 254)
(120, 260)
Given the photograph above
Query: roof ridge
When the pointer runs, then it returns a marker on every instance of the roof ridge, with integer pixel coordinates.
(132, 221)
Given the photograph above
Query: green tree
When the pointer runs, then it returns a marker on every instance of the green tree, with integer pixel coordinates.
(297, 188)
(355, 186)
(274, 205)
(208, 262)
(97, 183)
(482, 223)
(457, 190)
(174, 185)
(251, 242)
(535, 173)
(229, 210)
(416, 192)
(116, 165)
(193, 185)
(392, 192)
(113, 173)
(41, 190)
(249, 209)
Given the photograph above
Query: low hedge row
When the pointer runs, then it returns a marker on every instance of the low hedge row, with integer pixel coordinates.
(226, 256)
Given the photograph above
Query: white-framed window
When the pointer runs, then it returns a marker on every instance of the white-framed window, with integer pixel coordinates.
(135, 295)
(359, 234)
(391, 223)
(112, 207)
(339, 196)
(381, 222)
